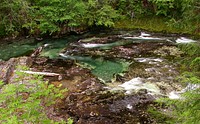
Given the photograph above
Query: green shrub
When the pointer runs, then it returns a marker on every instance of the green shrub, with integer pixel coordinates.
(187, 109)
(25, 100)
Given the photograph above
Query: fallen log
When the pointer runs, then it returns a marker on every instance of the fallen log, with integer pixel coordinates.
(40, 73)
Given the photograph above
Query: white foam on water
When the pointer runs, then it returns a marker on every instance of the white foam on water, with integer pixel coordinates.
(158, 60)
(144, 38)
(128, 92)
(132, 84)
(145, 34)
(184, 40)
(92, 45)
(190, 87)
(137, 84)
(129, 106)
(149, 60)
(46, 44)
(177, 94)
(174, 95)
(62, 55)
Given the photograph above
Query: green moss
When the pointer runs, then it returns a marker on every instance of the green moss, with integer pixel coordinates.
(155, 24)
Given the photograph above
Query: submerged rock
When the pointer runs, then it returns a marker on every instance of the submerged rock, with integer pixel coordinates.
(168, 51)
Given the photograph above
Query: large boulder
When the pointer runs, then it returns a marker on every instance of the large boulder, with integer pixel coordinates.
(7, 68)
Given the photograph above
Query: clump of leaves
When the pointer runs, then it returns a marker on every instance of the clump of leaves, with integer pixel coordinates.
(24, 101)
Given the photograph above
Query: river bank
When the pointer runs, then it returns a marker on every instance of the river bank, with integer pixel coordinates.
(152, 24)
(156, 24)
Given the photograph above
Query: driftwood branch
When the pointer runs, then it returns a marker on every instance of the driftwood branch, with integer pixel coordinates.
(41, 73)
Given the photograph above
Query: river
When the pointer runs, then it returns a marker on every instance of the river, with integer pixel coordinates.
(112, 76)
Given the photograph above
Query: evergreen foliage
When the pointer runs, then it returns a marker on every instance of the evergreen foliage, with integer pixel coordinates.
(186, 110)
(52, 15)
(60, 16)
(100, 13)
(13, 13)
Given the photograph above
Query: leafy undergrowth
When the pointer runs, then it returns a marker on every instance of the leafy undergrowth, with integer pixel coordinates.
(25, 100)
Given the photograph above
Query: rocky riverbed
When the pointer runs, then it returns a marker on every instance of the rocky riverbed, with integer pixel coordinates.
(111, 77)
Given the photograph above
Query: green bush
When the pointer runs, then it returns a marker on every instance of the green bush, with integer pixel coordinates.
(25, 102)
(58, 16)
